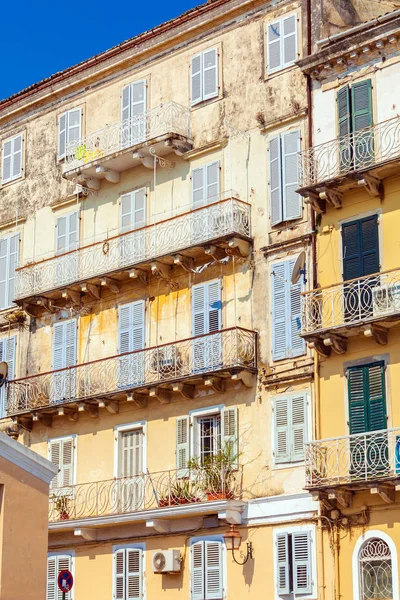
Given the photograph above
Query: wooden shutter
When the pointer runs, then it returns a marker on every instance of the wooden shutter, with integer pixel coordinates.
(196, 79)
(6, 167)
(133, 210)
(138, 311)
(182, 445)
(62, 135)
(198, 187)
(375, 376)
(344, 111)
(131, 453)
(296, 343)
(12, 159)
(16, 161)
(282, 433)
(61, 454)
(279, 311)
(360, 241)
(119, 575)
(276, 213)
(213, 306)
(134, 574)
(131, 322)
(230, 433)
(124, 329)
(213, 570)
(298, 426)
(4, 253)
(358, 416)
(301, 557)
(64, 344)
(199, 295)
(210, 74)
(289, 26)
(291, 200)
(8, 262)
(212, 182)
(74, 125)
(67, 233)
(197, 571)
(274, 46)
(282, 554)
(367, 398)
(55, 564)
(55, 458)
(361, 103)
(7, 354)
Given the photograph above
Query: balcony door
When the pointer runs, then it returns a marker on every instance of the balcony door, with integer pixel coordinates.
(131, 334)
(63, 379)
(367, 414)
(133, 114)
(133, 221)
(209, 224)
(360, 258)
(206, 319)
(67, 240)
(130, 470)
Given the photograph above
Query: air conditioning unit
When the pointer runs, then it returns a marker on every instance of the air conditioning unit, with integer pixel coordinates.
(167, 561)
(386, 299)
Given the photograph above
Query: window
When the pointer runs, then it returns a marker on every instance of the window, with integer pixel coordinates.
(131, 338)
(11, 167)
(282, 43)
(133, 109)
(67, 233)
(286, 312)
(375, 564)
(202, 433)
(7, 354)
(206, 569)
(69, 131)
(205, 185)
(290, 422)
(354, 110)
(128, 573)
(133, 210)
(367, 398)
(9, 247)
(62, 454)
(130, 466)
(285, 203)
(360, 242)
(294, 562)
(64, 355)
(204, 76)
(55, 564)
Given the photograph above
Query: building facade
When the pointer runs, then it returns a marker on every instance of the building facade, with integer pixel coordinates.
(150, 227)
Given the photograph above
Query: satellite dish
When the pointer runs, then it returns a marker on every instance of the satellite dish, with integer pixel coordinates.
(3, 372)
(299, 268)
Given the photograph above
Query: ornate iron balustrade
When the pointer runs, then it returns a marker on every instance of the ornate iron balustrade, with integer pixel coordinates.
(352, 302)
(350, 153)
(149, 491)
(166, 118)
(359, 458)
(200, 226)
(226, 349)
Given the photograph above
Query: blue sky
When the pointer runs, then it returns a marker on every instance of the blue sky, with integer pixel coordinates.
(40, 37)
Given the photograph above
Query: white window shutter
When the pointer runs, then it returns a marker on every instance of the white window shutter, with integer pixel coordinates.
(62, 235)
(7, 354)
(70, 343)
(52, 574)
(62, 135)
(124, 329)
(275, 191)
(12, 265)
(199, 293)
(74, 125)
(73, 230)
(301, 553)
(138, 98)
(67, 462)
(289, 26)
(138, 314)
(213, 560)
(214, 306)
(279, 311)
(59, 345)
(17, 157)
(4, 250)
(126, 212)
(296, 343)
(212, 182)
(134, 574)
(291, 200)
(119, 575)
(210, 74)
(126, 103)
(197, 571)
(196, 83)
(131, 326)
(198, 187)
(282, 553)
(274, 34)
(298, 426)
(55, 453)
(182, 445)
(6, 158)
(282, 432)
(230, 433)
(139, 208)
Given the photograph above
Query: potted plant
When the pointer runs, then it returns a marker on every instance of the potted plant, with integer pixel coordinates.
(61, 504)
(180, 493)
(217, 473)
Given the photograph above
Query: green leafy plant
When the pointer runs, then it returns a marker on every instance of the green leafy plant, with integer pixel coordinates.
(216, 472)
(80, 152)
(61, 504)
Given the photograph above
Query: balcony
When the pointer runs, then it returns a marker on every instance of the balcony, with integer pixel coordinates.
(154, 373)
(368, 305)
(216, 230)
(361, 158)
(352, 462)
(106, 153)
(163, 494)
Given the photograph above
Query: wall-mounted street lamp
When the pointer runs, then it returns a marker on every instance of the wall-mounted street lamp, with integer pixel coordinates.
(233, 539)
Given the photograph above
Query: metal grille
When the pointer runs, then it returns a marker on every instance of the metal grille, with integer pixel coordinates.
(376, 570)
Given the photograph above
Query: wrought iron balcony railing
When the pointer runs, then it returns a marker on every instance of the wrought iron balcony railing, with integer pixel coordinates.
(228, 217)
(350, 153)
(168, 118)
(229, 349)
(353, 459)
(356, 302)
(149, 491)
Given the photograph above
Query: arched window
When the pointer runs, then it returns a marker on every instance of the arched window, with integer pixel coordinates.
(375, 570)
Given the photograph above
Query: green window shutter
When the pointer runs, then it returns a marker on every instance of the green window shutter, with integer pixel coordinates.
(361, 103)
(357, 402)
(343, 108)
(375, 381)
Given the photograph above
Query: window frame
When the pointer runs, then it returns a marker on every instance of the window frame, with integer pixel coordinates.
(283, 203)
(306, 393)
(211, 538)
(74, 438)
(118, 429)
(61, 157)
(71, 555)
(132, 546)
(205, 98)
(366, 536)
(12, 139)
(282, 66)
(313, 561)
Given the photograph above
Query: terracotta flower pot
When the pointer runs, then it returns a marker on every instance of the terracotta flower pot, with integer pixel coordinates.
(219, 495)
(64, 516)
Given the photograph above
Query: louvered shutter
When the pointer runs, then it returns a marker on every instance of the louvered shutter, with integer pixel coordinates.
(67, 233)
(62, 235)
(375, 375)
(131, 326)
(133, 104)
(138, 309)
(275, 192)
(126, 103)
(274, 46)
(119, 575)
(301, 556)
(279, 311)
(70, 343)
(74, 125)
(213, 570)
(7, 354)
(298, 426)
(214, 306)
(198, 187)
(361, 100)
(13, 244)
(139, 209)
(134, 574)
(351, 251)
(296, 343)
(197, 571)
(4, 249)
(6, 161)
(126, 212)
(182, 445)
(199, 294)
(59, 346)
(291, 200)
(124, 329)
(196, 82)
(230, 433)
(357, 401)
(344, 111)
(67, 462)
(369, 245)
(212, 182)
(52, 588)
(62, 135)
(282, 554)
(16, 161)
(73, 231)
(210, 74)
(289, 26)
(55, 452)
(131, 453)
(64, 563)
(282, 433)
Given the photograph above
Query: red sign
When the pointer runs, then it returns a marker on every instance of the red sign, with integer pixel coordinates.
(65, 581)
